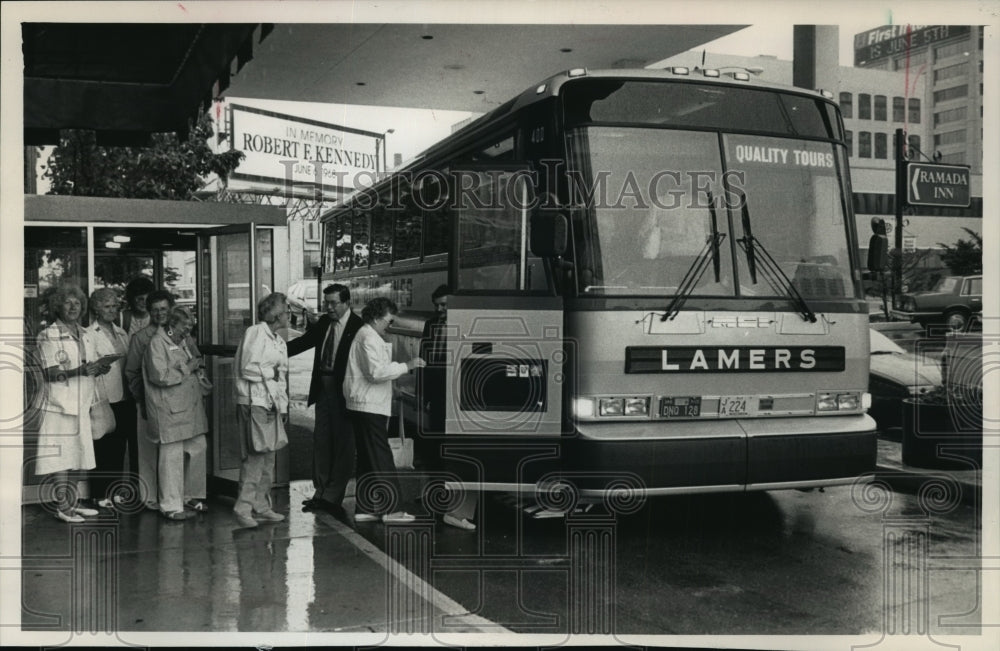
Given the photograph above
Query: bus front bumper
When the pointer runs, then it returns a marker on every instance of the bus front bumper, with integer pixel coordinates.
(724, 455)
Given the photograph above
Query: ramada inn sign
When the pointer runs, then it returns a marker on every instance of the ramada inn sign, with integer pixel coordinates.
(930, 184)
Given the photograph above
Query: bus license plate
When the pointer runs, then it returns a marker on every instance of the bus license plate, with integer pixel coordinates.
(680, 407)
(737, 406)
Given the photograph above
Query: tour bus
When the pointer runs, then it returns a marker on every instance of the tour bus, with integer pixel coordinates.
(656, 286)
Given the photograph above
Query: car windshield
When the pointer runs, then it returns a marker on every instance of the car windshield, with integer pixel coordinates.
(947, 284)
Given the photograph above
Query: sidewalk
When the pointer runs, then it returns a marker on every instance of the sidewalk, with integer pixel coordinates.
(310, 573)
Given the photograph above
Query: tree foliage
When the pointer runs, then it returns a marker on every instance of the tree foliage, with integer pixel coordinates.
(168, 169)
(964, 257)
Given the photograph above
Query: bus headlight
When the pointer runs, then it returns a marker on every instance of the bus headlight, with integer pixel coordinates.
(636, 406)
(849, 401)
(612, 406)
(841, 401)
(826, 402)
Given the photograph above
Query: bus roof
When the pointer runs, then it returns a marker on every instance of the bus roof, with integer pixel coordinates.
(551, 87)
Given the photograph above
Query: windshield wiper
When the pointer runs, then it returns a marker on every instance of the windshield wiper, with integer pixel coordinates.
(697, 269)
(773, 274)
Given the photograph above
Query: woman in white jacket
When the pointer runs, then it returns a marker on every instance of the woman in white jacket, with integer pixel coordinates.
(368, 391)
(261, 366)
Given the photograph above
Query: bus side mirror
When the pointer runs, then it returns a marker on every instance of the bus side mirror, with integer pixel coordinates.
(549, 234)
(878, 246)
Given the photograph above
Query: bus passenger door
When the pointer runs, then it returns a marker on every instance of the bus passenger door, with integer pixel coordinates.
(235, 271)
(505, 337)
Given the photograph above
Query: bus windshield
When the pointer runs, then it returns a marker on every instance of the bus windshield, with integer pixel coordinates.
(656, 198)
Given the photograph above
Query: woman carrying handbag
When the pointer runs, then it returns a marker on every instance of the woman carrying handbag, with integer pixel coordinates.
(261, 369)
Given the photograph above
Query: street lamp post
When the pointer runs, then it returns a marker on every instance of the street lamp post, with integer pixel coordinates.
(385, 151)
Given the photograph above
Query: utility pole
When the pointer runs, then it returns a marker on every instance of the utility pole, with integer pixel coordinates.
(899, 145)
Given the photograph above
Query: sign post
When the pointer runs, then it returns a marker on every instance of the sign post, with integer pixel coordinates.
(899, 150)
(924, 184)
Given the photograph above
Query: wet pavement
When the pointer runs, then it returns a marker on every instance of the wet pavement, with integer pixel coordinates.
(142, 572)
(312, 573)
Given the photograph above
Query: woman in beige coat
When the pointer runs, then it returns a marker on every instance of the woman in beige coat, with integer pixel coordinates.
(174, 382)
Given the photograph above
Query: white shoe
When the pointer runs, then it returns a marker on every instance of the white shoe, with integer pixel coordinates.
(398, 516)
(69, 517)
(105, 503)
(86, 512)
(365, 517)
(461, 524)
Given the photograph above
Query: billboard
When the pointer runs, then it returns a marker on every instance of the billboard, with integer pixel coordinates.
(296, 155)
(891, 40)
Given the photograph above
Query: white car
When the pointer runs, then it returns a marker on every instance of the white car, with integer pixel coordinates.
(896, 374)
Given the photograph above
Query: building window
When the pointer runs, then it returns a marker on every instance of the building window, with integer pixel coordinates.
(949, 138)
(864, 106)
(914, 143)
(898, 109)
(950, 72)
(958, 158)
(951, 115)
(847, 105)
(881, 146)
(864, 144)
(914, 110)
(849, 137)
(880, 108)
(913, 60)
(950, 50)
(951, 93)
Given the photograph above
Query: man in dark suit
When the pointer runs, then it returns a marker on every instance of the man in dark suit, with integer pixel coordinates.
(333, 436)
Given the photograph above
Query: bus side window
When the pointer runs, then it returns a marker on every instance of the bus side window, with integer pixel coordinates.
(359, 240)
(344, 254)
(437, 218)
(407, 226)
(490, 236)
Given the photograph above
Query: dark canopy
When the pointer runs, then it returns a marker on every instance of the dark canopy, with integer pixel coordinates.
(125, 81)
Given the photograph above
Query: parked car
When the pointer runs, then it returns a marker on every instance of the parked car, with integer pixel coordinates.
(953, 302)
(302, 301)
(896, 374)
(184, 296)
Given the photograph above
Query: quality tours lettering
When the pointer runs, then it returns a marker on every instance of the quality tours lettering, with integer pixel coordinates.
(732, 359)
(783, 156)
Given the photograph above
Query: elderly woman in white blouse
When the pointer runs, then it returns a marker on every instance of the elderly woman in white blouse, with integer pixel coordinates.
(261, 369)
(111, 343)
(70, 362)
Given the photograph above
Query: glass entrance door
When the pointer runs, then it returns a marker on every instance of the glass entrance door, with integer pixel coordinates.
(235, 271)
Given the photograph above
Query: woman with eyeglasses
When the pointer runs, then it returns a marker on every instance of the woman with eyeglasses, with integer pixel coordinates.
(368, 390)
(174, 385)
(70, 362)
(261, 368)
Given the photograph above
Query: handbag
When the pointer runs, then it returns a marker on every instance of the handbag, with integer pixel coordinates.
(204, 384)
(401, 446)
(267, 432)
(102, 419)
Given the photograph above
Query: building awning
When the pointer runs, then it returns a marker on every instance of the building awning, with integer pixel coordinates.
(126, 81)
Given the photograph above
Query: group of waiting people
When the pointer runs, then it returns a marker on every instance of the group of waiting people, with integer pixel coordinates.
(151, 373)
